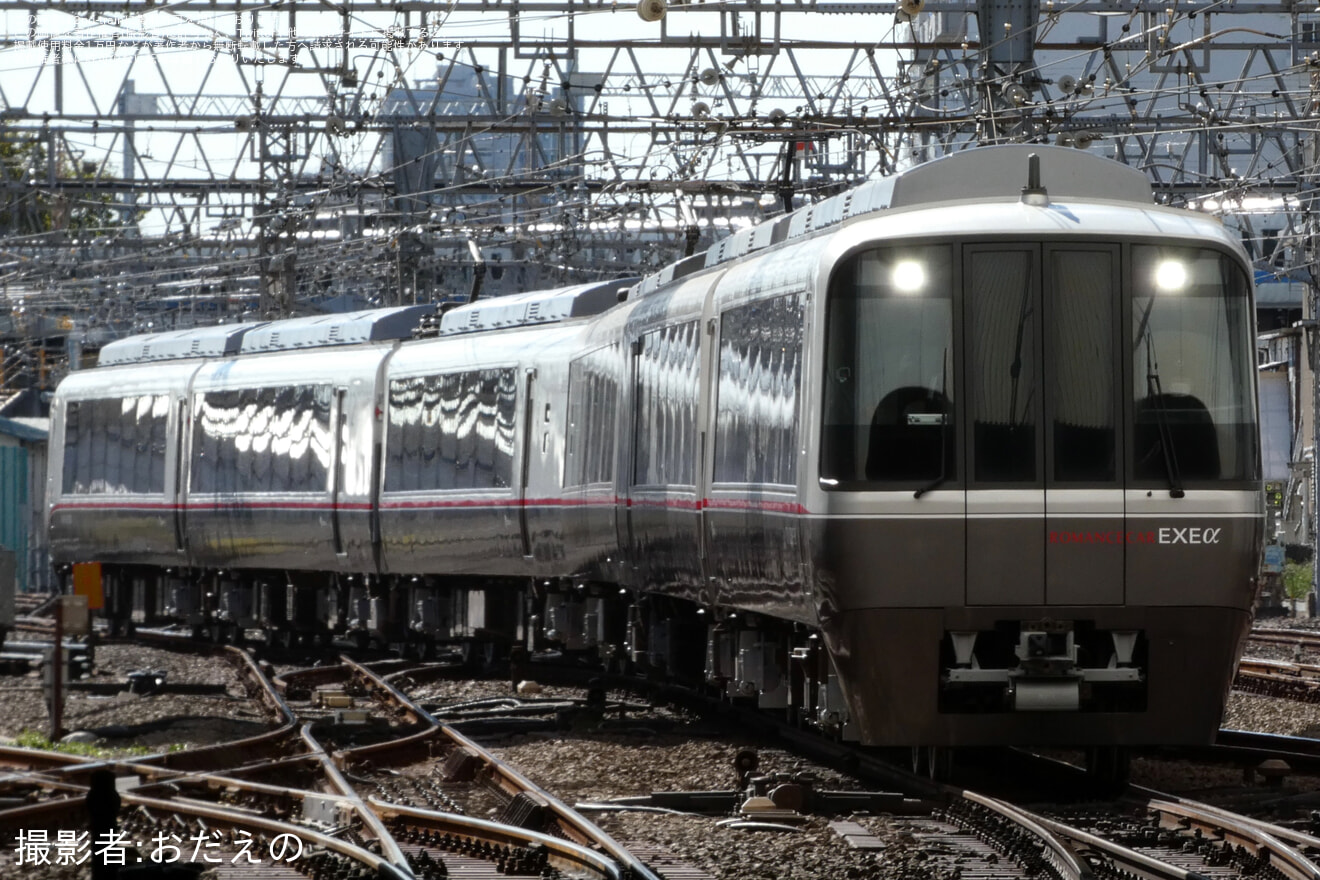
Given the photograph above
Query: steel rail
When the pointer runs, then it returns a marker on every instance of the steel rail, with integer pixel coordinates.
(1127, 861)
(72, 811)
(1290, 681)
(389, 846)
(229, 754)
(167, 788)
(1054, 850)
(1278, 667)
(379, 864)
(42, 760)
(1290, 841)
(573, 824)
(1259, 838)
(1290, 637)
(562, 853)
(1258, 747)
(314, 677)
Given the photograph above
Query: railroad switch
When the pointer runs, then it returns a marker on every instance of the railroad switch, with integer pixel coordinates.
(352, 717)
(333, 698)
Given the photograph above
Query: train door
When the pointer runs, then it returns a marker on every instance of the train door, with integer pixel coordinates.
(705, 452)
(663, 508)
(626, 421)
(1006, 495)
(181, 451)
(529, 445)
(1045, 513)
(1084, 535)
(341, 435)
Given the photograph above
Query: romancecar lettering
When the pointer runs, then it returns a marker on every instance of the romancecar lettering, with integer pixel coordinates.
(1188, 535)
(1102, 538)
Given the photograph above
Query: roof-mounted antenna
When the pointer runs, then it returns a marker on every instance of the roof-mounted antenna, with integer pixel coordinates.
(1033, 193)
(478, 270)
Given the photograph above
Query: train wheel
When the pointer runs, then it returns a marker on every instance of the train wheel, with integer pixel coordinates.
(941, 763)
(1108, 768)
(479, 654)
(933, 762)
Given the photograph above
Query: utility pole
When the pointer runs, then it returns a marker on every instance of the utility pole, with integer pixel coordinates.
(1309, 195)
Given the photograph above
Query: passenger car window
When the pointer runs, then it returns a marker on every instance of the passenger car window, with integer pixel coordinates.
(258, 440)
(889, 382)
(451, 431)
(756, 408)
(1192, 366)
(115, 445)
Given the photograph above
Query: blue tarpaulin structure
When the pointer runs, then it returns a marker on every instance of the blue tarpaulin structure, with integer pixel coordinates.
(22, 476)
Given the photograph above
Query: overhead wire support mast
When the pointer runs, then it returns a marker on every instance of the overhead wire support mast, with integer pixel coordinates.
(576, 150)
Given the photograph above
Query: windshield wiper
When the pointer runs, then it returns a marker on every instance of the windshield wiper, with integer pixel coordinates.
(940, 480)
(1015, 369)
(1155, 394)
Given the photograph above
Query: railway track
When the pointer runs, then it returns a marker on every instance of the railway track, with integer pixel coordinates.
(238, 791)
(1306, 639)
(324, 773)
(1299, 682)
(1290, 679)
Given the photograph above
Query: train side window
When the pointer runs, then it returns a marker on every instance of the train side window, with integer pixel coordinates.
(115, 445)
(1081, 382)
(262, 440)
(760, 367)
(888, 405)
(451, 431)
(73, 422)
(1192, 367)
(592, 409)
(666, 410)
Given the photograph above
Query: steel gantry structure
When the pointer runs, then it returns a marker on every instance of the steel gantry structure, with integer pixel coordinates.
(183, 161)
(180, 161)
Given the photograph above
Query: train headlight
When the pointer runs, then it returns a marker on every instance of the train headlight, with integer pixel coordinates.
(909, 276)
(1171, 276)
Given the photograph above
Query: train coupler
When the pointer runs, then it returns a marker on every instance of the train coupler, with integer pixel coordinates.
(1042, 666)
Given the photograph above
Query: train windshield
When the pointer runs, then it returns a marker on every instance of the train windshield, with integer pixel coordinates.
(888, 402)
(1193, 414)
(1040, 381)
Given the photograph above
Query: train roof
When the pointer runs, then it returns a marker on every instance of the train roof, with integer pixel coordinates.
(534, 307)
(227, 340)
(347, 328)
(197, 342)
(981, 174)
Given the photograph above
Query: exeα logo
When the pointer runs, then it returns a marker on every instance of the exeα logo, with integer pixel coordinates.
(1189, 536)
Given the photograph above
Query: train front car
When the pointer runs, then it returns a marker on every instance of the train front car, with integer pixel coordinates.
(1036, 510)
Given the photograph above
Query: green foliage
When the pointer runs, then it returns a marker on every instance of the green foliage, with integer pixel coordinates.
(31, 739)
(28, 206)
(1297, 579)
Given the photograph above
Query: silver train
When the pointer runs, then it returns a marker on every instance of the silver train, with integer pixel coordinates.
(965, 456)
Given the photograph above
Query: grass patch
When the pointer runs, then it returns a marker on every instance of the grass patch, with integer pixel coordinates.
(31, 739)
